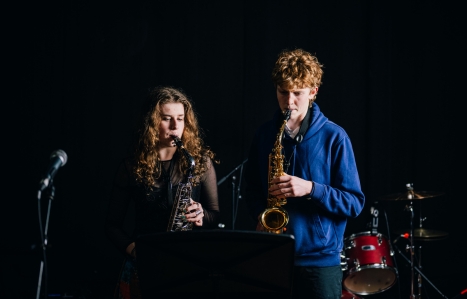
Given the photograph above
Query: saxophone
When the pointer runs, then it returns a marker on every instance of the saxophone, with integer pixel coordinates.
(274, 218)
(177, 222)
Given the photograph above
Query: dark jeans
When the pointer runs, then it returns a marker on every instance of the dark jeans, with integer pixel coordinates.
(317, 283)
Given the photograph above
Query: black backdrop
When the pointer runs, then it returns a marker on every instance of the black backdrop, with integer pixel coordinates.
(76, 73)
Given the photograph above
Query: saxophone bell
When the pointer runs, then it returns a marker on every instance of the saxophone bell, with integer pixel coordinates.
(274, 220)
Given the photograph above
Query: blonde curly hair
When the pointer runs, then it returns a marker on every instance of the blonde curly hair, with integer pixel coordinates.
(297, 69)
(148, 167)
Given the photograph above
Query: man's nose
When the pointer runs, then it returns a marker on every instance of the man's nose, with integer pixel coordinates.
(290, 97)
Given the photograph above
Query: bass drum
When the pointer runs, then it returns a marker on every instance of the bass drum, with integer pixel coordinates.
(370, 267)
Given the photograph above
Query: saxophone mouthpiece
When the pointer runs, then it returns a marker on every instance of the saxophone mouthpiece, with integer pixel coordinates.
(287, 114)
(177, 140)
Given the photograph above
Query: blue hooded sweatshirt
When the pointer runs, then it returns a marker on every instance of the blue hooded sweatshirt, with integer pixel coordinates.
(324, 156)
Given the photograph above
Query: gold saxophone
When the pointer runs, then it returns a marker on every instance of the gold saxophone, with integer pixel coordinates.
(274, 218)
(177, 220)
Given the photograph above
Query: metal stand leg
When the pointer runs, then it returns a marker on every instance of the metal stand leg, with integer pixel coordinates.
(235, 190)
(412, 250)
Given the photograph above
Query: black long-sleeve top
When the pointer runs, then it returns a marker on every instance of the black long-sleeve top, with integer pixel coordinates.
(152, 208)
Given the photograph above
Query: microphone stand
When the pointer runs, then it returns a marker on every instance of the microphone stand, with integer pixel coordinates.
(235, 191)
(44, 240)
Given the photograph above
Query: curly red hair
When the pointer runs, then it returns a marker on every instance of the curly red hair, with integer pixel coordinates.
(297, 69)
(147, 168)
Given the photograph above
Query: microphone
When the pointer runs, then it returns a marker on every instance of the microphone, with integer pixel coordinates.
(57, 159)
(405, 236)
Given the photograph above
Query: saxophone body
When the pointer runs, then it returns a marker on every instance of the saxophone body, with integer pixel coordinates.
(177, 221)
(274, 218)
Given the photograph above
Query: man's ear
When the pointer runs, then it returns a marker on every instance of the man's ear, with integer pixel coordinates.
(313, 92)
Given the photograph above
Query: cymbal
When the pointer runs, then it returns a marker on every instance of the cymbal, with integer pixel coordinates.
(425, 234)
(411, 195)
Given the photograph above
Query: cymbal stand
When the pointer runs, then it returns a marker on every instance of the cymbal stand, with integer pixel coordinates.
(419, 278)
(411, 248)
(412, 253)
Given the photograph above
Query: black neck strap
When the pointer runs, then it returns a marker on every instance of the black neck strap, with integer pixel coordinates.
(303, 127)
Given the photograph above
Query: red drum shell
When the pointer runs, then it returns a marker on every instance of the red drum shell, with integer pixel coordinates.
(370, 265)
(348, 295)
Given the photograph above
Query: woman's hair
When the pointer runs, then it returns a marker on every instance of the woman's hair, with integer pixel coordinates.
(297, 69)
(147, 167)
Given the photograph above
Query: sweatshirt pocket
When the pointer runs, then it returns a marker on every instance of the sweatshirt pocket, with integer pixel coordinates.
(316, 234)
(326, 232)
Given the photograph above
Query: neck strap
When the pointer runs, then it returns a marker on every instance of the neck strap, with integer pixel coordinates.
(303, 127)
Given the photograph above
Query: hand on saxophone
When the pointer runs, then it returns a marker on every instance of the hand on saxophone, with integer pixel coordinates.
(290, 186)
(195, 213)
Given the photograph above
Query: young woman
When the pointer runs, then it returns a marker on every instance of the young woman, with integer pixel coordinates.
(150, 177)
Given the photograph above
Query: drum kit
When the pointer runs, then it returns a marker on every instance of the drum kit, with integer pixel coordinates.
(368, 257)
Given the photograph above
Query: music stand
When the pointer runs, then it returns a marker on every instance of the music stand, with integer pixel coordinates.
(215, 264)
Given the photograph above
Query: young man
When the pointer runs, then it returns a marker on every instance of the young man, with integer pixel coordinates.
(319, 181)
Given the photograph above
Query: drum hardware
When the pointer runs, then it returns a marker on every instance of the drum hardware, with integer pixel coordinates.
(423, 234)
(344, 264)
(374, 223)
(411, 249)
(383, 261)
(420, 273)
(412, 195)
(356, 264)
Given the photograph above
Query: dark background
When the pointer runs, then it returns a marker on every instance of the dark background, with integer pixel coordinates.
(76, 73)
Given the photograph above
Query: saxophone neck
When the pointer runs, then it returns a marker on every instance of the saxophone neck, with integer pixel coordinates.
(287, 115)
(189, 158)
